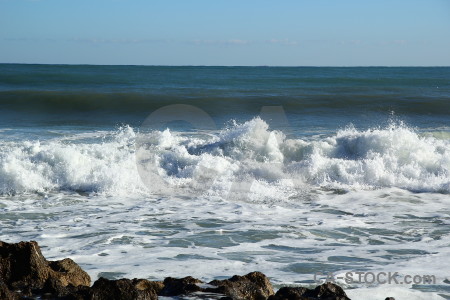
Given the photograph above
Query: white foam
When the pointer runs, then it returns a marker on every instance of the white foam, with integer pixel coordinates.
(105, 165)
(391, 157)
(207, 237)
(230, 202)
(395, 156)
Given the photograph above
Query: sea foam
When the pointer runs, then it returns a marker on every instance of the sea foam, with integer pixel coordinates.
(126, 161)
(105, 165)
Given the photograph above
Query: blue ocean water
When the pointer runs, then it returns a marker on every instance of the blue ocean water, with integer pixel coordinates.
(215, 171)
(40, 95)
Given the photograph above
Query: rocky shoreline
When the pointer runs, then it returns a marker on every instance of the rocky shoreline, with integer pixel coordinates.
(26, 274)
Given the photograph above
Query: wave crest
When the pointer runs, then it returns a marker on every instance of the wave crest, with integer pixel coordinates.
(102, 165)
(273, 165)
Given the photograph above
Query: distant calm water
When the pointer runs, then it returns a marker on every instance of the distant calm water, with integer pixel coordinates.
(297, 171)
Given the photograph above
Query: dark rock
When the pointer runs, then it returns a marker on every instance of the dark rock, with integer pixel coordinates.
(5, 293)
(289, 293)
(54, 289)
(329, 291)
(143, 284)
(180, 286)
(23, 264)
(326, 291)
(68, 272)
(390, 298)
(123, 289)
(253, 286)
(23, 269)
(80, 292)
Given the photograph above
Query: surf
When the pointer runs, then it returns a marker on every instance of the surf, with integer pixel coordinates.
(116, 162)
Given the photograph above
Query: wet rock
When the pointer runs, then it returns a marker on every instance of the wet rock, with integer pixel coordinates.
(23, 269)
(68, 272)
(329, 291)
(22, 265)
(124, 289)
(180, 286)
(289, 293)
(253, 286)
(326, 291)
(143, 284)
(55, 290)
(5, 293)
(54, 287)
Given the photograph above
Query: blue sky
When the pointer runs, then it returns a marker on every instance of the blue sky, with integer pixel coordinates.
(226, 32)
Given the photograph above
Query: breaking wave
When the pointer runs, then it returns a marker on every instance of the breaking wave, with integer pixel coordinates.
(126, 161)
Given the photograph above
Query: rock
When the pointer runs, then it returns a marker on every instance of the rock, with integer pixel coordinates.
(5, 293)
(329, 291)
(289, 293)
(23, 268)
(124, 289)
(22, 265)
(253, 286)
(390, 298)
(326, 291)
(54, 289)
(68, 272)
(143, 284)
(182, 286)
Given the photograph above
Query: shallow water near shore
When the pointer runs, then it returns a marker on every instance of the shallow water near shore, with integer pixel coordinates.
(362, 190)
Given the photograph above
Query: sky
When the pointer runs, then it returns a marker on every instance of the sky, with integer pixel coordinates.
(226, 32)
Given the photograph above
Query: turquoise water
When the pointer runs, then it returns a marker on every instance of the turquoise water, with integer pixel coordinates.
(215, 171)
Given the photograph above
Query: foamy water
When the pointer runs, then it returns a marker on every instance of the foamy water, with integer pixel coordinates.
(167, 203)
(114, 162)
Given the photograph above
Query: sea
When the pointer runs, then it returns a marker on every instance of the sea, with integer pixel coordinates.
(307, 174)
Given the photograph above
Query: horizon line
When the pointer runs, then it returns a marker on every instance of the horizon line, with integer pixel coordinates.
(233, 66)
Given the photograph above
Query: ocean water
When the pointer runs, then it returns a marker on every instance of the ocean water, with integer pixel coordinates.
(300, 173)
